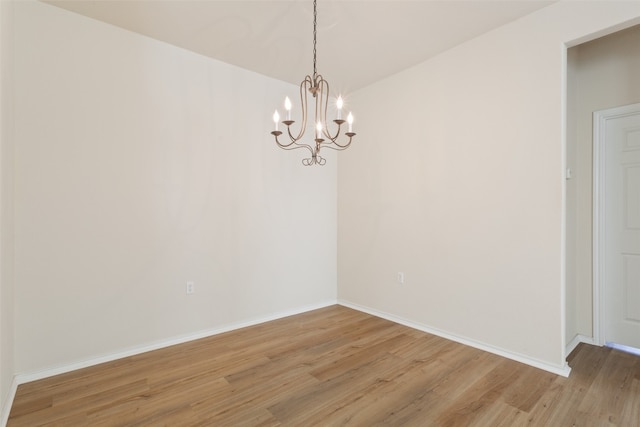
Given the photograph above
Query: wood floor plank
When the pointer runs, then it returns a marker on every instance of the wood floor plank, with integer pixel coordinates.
(334, 367)
(614, 380)
(324, 397)
(483, 394)
(282, 387)
(527, 390)
(356, 358)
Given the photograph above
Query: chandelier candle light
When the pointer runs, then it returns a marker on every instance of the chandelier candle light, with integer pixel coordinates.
(319, 89)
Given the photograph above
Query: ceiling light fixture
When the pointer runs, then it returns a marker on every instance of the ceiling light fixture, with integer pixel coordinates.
(319, 88)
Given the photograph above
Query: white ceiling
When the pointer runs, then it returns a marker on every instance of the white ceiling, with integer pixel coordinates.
(359, 41)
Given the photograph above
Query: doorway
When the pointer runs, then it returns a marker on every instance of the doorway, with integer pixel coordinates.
(616, 233)
(602, 73)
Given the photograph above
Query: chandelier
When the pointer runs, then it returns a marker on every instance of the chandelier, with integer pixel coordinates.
(323, 136)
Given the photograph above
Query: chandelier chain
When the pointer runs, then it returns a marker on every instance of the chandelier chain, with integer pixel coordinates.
(315, 13)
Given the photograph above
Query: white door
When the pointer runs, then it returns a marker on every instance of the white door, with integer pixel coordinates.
(619, 129)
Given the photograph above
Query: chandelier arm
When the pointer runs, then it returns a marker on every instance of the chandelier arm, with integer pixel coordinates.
(334, 138)
(325, 91)
(317, 97)
(285, 146)
(324, 105)
(304, 104)
(293, 139)
(337, 134)
(335, 146)
(296, 146)
(292, 145)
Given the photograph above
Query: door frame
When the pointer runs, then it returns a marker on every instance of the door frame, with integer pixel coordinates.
(600, 119)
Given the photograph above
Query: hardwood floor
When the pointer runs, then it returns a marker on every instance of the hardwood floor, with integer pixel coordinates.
(329, 367)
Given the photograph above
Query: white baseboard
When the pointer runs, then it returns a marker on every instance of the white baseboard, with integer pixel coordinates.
(45, 373)
(8, 402)
(558, 370)
(577, 340)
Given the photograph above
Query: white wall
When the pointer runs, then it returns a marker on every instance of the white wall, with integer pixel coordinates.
(458, 181)
(140, 166)
(606, 75)
(6, 202)
(571, 204)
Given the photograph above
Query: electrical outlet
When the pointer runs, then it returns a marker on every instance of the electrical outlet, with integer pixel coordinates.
(400, 277)
(191, 288)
